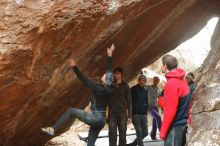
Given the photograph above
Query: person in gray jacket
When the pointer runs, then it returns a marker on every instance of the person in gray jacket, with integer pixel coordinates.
(153, 93)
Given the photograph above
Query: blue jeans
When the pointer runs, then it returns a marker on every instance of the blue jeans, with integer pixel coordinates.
(95, 119)
(109, 74)
(109, 78)
(176, 136)
(140, 125)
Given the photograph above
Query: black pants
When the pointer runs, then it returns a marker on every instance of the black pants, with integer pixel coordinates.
(117, 120)
(176, 136)
(140, 125)
(95, 119)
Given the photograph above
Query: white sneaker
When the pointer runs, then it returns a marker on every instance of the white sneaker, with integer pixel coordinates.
(48, 130)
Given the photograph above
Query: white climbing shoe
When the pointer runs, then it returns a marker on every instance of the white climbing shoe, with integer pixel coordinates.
(48, 130)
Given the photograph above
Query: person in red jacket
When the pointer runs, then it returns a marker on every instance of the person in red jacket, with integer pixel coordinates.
(177, 100)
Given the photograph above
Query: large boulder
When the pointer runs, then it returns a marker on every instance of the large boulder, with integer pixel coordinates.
(37, 36)
(206, 101)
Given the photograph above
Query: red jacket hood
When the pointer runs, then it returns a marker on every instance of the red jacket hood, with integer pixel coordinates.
(176, 73)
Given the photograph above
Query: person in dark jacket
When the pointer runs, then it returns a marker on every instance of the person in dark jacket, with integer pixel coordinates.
(139, 95)
(120, 109)
(96, 118)
(177, 100)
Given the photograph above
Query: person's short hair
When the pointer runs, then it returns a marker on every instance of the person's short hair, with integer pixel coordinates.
(119, 69)
(142, 77)
(156, 78)
(170, 61)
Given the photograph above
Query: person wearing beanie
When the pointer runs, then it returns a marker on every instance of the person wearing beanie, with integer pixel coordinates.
(119, 109)
(142, 78)
(139, 110)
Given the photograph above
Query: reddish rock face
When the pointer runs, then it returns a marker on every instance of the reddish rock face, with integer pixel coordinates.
(206, 109)
(36, 37)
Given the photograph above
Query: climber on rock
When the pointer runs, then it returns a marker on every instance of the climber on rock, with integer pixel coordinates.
(95, 119)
